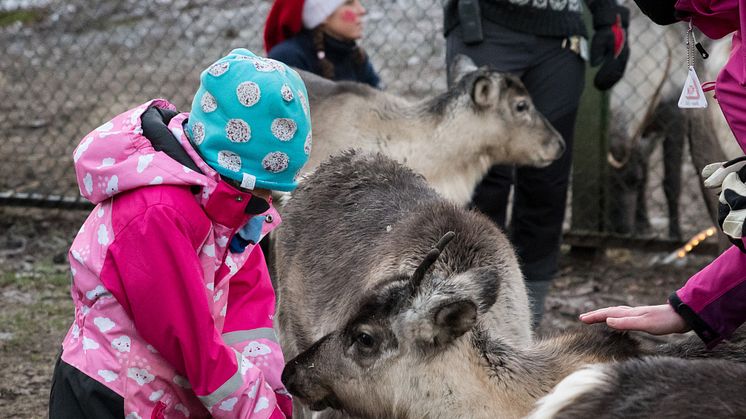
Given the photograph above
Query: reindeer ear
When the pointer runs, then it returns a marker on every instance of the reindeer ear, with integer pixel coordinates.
(485, 92)
(461, 66)
(451, 320)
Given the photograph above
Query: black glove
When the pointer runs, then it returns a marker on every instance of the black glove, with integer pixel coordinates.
(609, 45)
(661, 12)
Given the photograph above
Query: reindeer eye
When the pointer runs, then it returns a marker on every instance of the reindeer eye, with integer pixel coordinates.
(365, 340)
(522, 106)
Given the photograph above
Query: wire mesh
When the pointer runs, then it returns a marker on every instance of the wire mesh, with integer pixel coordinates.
(69, 66)
(656, 149)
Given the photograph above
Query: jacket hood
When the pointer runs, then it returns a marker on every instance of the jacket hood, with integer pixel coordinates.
(116, 157)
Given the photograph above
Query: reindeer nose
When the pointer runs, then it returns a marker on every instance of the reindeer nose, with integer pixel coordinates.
(288, 377)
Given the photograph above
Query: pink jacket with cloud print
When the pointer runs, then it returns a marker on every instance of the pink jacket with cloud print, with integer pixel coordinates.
(166, 315)
(713, 302)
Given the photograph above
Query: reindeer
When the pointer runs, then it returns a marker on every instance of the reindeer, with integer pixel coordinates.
(388, 217)
(452, 139)
(661, 387)
(378, 220)
(644, 111)
(396, 303)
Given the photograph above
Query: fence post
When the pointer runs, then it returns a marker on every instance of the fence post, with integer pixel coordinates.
(589, 160)
(589, 195)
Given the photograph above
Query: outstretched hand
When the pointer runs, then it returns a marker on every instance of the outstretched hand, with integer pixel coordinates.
(656, 320)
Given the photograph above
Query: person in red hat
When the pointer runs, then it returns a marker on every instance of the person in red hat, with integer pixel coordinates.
(320, 36)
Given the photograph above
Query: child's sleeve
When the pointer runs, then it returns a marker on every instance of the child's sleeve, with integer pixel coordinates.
(248, 323)
(713, 301)
(153, 270)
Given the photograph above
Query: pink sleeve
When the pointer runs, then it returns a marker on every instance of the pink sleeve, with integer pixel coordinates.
(154, 265)
(717, 296)
(738, 39)
(248, 323)
(715, 18)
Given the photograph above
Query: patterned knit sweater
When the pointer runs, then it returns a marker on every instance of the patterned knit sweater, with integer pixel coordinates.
(558, 18)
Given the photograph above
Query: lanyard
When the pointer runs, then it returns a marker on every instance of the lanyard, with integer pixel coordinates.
(691, 44)
(692, 95)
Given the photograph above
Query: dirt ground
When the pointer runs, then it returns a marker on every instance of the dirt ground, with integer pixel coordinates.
(35, 304)
(36, 309)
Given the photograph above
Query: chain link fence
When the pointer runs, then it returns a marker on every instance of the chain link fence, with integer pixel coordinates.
(69, 66)
(657, 150)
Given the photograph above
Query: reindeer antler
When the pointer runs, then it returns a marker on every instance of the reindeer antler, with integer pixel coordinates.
(430, 258)
(443, 242)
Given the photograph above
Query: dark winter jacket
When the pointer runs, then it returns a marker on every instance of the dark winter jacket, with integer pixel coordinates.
(557, 18)
(299, 52)
(551, 18)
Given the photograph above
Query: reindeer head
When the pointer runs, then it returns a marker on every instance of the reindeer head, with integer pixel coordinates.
(407, 329)
(497, 111)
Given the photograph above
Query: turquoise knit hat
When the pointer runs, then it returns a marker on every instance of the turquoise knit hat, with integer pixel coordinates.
(250, 121)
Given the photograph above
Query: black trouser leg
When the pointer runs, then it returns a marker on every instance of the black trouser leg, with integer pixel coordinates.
(75, 395)
(555, 83)
(540, 202)
(539, 211)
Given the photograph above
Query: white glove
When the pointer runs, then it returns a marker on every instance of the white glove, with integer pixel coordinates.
(714, 173)
(732, 208)
(728, 178)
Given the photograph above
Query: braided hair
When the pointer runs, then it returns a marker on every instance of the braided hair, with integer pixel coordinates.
(327, 67)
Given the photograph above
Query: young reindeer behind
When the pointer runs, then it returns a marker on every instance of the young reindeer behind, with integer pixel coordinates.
(485, 118)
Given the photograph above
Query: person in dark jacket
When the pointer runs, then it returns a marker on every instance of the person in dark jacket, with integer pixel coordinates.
(544, 43)
(320, 36)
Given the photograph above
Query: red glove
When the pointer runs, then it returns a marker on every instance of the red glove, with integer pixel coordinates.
(609, 45)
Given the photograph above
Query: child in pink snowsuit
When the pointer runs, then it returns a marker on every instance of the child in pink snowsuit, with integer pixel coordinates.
(173, 303)
(713, 301)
